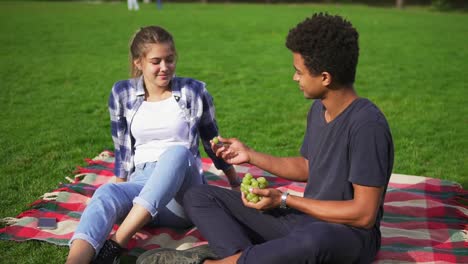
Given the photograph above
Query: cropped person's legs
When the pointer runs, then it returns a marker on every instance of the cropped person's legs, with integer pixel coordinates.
(135, 4)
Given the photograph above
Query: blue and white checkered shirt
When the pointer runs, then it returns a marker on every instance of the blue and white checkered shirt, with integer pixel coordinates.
(194, 100)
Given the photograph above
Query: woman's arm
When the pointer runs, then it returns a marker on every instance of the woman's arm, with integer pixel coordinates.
(208, 129)
(233, 179)
(116, 117)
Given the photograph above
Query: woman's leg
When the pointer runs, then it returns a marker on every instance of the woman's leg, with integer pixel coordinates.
(80, 252)
(110, 202)
(163, 192)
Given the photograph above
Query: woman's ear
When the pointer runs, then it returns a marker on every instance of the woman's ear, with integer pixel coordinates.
(137, 64)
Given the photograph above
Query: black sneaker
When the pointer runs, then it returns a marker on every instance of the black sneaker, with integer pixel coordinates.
(109, 253)
(195, 255)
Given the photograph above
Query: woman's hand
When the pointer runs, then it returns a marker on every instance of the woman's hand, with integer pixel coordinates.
(270, 198)
(234, 180)
(119, 180)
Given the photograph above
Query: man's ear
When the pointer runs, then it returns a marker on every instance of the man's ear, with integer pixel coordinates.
(326, 79)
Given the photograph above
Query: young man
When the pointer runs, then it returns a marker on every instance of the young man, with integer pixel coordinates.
(346, 159)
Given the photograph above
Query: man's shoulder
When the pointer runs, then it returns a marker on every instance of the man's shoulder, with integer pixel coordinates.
(315, 106)
(366, 112)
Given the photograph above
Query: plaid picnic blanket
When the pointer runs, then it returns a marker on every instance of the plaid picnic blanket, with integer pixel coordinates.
(425, 219)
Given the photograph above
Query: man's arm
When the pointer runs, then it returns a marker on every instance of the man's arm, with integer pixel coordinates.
(291, 168)
(358, 212)
(234, 151)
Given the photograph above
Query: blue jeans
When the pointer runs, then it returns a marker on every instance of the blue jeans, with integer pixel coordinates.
(159, 187)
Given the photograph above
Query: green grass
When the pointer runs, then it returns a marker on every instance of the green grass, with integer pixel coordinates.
(59, 61)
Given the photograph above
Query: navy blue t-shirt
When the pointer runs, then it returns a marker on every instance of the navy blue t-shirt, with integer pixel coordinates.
(354, 148)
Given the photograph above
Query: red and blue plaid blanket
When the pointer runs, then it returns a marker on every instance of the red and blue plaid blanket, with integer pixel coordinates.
(425, 219)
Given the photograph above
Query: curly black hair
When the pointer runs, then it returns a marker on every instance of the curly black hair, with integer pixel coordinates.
(328, 44)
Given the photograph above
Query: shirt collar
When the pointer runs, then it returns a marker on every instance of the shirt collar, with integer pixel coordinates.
(175, 87)
(140, 87)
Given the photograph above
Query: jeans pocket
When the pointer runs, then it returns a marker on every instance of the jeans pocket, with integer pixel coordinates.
(140, 167)
(143, 171)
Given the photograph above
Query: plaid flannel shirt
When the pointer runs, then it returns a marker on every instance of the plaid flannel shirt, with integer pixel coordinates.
(194, 100)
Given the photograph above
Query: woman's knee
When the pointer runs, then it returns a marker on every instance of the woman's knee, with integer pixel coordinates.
(107, 193)
(106, 189)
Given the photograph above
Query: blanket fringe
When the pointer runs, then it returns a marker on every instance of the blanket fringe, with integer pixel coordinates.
(77, 177)
(104, 155)
(52, 196)
(69, 179)
(9, 220)
(80, 176)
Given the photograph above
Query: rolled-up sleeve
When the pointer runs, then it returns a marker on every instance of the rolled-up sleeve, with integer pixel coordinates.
(116, 118)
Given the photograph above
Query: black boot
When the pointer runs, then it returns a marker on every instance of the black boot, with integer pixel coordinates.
(109, 253)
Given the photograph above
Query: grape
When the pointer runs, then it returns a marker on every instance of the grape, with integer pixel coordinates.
(249, 182)
(255, 199)
(261, 180)
(245, 188)
(215, 140)
(246, 181)
(254, 183)
(250, 196)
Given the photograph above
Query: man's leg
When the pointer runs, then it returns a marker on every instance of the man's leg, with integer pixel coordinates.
(228, 225)
(311, 241)
(276, 236)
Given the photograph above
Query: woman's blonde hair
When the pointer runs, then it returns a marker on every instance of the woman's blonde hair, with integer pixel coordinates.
(144, 36)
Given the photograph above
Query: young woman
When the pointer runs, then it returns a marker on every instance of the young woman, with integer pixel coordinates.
(157, 120)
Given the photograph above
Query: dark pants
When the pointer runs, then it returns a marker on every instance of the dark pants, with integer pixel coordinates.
(275, 236)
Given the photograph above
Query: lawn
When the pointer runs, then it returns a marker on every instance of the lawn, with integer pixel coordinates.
(59, 61)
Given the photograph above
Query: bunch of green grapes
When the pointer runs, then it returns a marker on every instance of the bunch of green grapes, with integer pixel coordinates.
(250, 182)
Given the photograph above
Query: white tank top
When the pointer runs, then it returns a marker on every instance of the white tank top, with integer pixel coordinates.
(157, 126)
